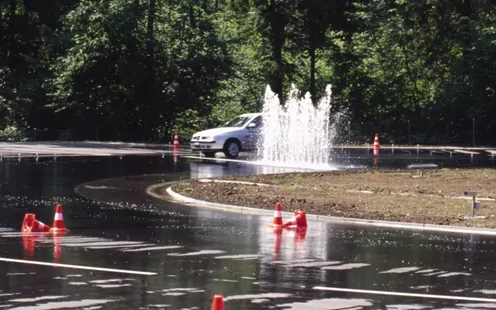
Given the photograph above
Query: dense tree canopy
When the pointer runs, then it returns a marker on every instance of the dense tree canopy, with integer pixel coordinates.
(419, 71)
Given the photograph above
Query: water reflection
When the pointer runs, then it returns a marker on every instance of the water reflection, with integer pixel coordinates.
(199, 252)
(219, 168)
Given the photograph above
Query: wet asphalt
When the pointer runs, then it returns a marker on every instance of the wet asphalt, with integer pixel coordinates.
(126, 250)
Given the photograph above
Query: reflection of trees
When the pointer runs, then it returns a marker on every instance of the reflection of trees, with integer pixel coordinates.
(385, 249)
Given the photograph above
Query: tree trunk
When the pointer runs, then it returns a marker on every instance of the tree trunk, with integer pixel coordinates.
(312, 72)
(11, 30)
(149, 29)
(149, 97)
(278, 36)
(1, 29)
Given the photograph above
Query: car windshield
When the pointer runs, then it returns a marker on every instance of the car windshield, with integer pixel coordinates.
(239, 121)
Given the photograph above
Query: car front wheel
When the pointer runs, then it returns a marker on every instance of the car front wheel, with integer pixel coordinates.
(231, 148)
(209, 154)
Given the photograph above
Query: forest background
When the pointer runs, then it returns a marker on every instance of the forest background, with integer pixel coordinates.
(417, 71)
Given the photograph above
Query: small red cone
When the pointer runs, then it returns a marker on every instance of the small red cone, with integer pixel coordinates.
(277, 216)
(217, 303)
(376, 144)
(291, 222)
(30, 224)
(299, 220)
(27, 224)
(39, 226)
(58, 221)
(176, 141)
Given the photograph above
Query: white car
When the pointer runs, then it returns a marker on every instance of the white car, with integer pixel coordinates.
(239, 134)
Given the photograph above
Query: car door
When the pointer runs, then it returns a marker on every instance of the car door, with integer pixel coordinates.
(254, 133)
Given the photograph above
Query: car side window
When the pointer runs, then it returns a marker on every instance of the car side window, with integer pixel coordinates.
(257, 121)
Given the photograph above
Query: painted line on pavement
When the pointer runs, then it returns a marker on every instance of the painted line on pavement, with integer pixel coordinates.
(29, 262)
(350, 290)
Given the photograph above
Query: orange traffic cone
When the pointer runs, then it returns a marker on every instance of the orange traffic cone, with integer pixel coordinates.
(217, 303)
(30, 224)
(27, 224)
(299, 220)
(176, 141)
(376, 144)
(277, 216)
(58, 221)
(39, 226)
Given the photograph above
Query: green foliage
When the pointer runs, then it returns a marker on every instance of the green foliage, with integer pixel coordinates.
(139, 70)
(12, 133)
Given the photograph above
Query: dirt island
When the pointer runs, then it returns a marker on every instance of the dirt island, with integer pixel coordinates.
(392, 195)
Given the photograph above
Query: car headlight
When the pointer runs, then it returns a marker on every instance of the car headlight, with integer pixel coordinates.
(206, 139)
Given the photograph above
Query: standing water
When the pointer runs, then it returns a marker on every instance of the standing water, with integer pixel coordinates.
(297, 133)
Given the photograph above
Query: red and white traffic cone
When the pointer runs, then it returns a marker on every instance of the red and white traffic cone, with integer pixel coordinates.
(299, 220)
(175, 146)
(31, 224)
(39, 226)
(58, 221)
(277, 223)
(217, 303)
(376, 145)
(27, 223)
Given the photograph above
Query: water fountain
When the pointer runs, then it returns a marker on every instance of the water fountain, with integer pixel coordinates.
(297, 134)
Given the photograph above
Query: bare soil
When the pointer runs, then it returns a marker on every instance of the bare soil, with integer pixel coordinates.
(392, 195)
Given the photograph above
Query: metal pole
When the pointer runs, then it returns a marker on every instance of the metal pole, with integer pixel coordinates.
(409, 142)
(473, 206)
(473, 131)
(349, 133)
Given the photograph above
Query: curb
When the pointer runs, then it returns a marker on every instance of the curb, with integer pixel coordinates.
(178, 198)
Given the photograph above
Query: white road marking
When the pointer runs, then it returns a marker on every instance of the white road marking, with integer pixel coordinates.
(219, 159)
(101, 243)
(202, 252)
(154, 248)
(346, 266)
(401, 270)
(350, 290)
(119, 246)
(21, 261)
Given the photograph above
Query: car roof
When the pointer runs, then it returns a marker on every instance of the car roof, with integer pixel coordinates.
(250, 114)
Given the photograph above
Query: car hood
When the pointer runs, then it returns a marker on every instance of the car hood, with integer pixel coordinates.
(217, 131)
